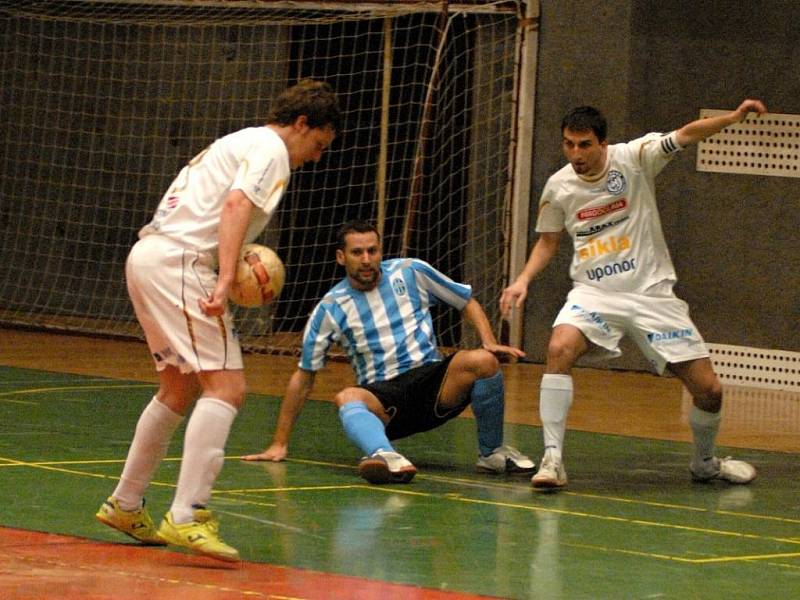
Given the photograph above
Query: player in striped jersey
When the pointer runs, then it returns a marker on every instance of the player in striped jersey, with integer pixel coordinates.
(380, 314)
(622, 279)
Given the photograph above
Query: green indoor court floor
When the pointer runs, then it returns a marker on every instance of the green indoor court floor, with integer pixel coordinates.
(631, 524)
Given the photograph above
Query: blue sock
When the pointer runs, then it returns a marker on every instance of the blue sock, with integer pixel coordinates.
(488, 406)
(363, 428)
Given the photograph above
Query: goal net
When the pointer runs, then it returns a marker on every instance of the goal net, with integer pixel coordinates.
(103, 102)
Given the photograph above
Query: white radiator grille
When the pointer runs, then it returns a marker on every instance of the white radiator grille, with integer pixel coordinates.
(765, 145)
(756, 367)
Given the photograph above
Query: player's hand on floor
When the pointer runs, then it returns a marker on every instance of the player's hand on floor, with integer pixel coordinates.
(275, 453)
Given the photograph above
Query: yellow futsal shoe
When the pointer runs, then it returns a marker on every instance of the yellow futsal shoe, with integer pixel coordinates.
(135, 523)
(200, 535)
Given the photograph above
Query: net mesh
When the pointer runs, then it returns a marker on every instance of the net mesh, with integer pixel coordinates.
(104, 102)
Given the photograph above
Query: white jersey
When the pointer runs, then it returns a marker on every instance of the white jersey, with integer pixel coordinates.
(253, 160)
(613, 218)
(385, 331)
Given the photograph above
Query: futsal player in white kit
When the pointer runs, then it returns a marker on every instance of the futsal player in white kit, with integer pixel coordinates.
(179, 274)
(622, 280)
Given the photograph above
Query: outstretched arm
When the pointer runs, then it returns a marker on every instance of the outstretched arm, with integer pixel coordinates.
(697, 131)
(474, 314)
(300, 386)
(543, 252)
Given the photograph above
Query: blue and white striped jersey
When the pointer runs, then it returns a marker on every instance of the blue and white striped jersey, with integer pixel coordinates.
(389, 329)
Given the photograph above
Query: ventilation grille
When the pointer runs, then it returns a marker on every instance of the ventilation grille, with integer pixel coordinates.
(765, 145)
(756, 367)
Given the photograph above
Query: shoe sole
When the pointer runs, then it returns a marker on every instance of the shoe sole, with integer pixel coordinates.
(548, 484)
(719, 477)
(376, 471)
(146, 542)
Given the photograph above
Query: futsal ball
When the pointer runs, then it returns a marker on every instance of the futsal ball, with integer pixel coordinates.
(259, 276)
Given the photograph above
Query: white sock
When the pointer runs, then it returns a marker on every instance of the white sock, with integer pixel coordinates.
(203, 455)
(705, 426)
(555, 399)
(150, 442)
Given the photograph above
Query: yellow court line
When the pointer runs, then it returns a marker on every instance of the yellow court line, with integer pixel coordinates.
(50, 463)
(634, 501)
(784, 565)
(20, 463)
(311, 488)
(721, 559)
(680, 559)
(7, 401)
(49, 467)
(69, 388)
(217, 493)
(495, 485)
(325, 488)
(501, 485)
(512, 486)
(720, 532)
(535, 508)
(752, 516)
(459, 498)
(729, 513)
(683, 559)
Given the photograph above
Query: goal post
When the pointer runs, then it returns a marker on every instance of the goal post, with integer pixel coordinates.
(103, 101)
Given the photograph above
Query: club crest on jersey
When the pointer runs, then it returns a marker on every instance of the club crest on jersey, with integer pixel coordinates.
(616, 184)
(399, 286)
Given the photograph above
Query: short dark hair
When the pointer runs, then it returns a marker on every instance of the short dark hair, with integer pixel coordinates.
(584, 118)
(314, 99)
(355, 226)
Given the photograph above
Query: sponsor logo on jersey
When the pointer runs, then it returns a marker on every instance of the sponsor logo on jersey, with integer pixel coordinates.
(600, 227)
(616, 184)
(668, 337)
(257, 186)
(596, 212)
(608, 245)
(611, 269)
(399, 286)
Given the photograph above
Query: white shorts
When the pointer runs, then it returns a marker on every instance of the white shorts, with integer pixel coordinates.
(165, 281)
(660, 325)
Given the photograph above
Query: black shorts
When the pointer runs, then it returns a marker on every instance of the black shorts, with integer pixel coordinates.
(412, 399)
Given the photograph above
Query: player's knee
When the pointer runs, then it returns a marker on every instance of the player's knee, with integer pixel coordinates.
(347, 395)
(485, 364)
(475, 364)
(561, 355)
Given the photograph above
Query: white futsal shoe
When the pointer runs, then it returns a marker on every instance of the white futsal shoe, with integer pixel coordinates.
(727, 469)
(383, 466)
(505, 459)
(551, 474)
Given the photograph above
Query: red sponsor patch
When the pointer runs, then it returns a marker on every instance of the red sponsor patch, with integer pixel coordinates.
(601, 211)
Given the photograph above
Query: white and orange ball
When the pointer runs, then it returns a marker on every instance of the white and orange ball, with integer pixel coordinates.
(259, 276)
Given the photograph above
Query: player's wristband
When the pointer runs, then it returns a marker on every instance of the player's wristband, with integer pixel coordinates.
(669, 143)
